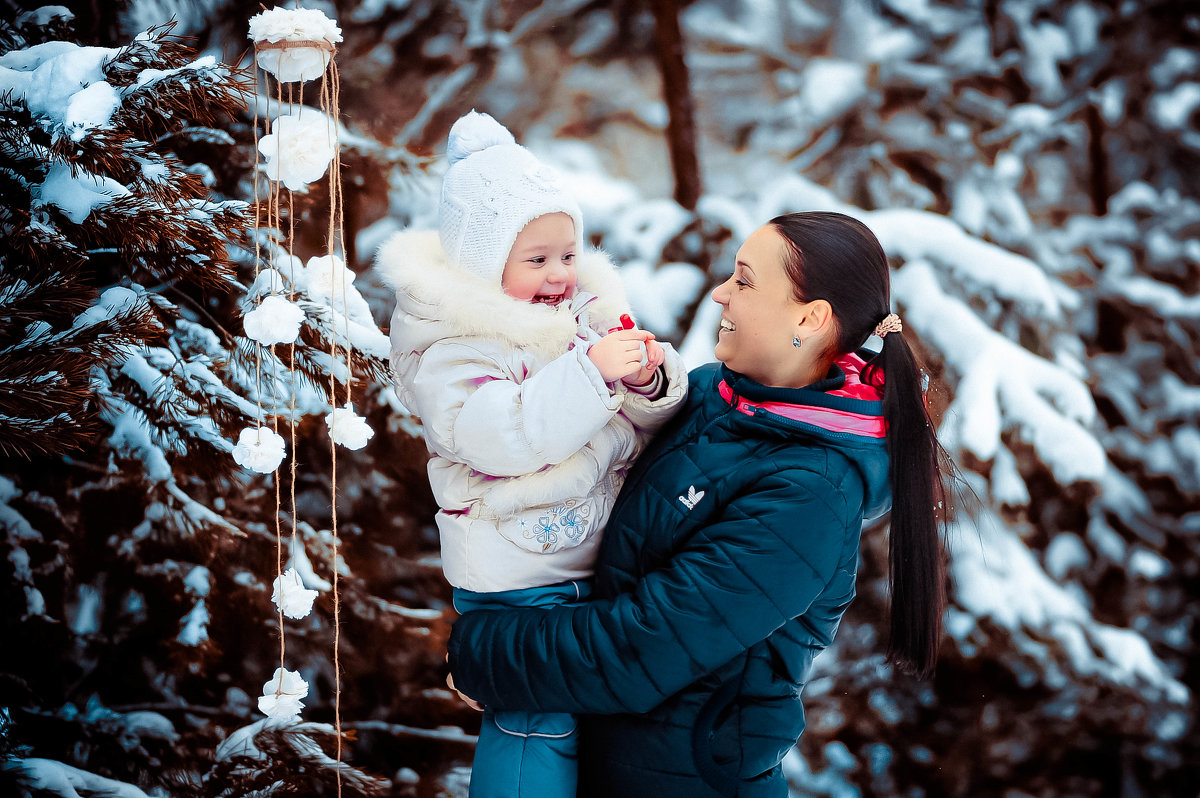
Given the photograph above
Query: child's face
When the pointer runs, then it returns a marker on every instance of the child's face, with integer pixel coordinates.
(541, 266)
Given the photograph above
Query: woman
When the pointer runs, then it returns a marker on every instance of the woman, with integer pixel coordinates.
(732, 551)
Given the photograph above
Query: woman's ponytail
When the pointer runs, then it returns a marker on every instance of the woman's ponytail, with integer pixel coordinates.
(837, 258)
(916, 568)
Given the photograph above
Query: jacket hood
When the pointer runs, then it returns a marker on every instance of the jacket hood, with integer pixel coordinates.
(841, 409)
(436, 298)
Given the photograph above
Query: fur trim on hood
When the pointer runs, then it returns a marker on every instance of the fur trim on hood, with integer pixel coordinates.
(436, 299)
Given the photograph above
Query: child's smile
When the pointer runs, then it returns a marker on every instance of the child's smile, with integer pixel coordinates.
(541, 266)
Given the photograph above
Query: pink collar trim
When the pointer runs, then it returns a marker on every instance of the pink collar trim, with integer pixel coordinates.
(869, 426)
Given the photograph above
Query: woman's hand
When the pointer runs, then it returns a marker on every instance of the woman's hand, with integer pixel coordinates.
(619, 354)
(471, 702)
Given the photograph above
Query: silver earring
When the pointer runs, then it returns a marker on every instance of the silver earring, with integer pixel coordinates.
(796, 342)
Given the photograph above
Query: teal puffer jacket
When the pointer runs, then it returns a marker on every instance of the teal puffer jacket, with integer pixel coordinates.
(727, 564)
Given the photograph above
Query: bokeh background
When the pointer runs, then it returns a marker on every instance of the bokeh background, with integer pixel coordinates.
(1031, 167)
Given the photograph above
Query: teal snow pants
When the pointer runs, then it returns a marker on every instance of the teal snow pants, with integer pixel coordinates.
(524, 754)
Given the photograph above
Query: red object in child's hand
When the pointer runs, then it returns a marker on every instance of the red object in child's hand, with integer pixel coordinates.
(626, 323)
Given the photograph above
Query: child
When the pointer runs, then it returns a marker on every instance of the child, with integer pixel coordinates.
(532, 407)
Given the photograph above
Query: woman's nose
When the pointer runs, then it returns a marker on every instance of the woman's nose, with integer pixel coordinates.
(720, 294)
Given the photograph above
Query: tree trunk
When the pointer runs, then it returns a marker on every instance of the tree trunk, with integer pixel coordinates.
(681, 123)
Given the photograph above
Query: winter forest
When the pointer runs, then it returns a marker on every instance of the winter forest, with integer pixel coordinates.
(171, 464)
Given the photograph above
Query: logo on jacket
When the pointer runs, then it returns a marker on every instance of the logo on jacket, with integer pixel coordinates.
(692, 498)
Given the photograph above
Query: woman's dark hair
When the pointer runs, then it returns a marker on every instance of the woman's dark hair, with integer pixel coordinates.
(838, 259)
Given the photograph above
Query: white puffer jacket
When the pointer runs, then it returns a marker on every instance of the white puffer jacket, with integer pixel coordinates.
(528, 444)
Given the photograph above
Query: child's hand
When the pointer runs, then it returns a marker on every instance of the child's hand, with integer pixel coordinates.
(466, 699)
(618, 354)
(654, 358)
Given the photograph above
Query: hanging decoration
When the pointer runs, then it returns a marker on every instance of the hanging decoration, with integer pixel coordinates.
(300, 147)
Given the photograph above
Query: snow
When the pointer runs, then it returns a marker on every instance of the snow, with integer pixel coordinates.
(299, 563)
(1166, 300)
(996, 577)
(67, 781)
(827, 89)
(195, 625)
(90, 107)
(659, 294)
(111, 302)
(1173, 109)
(918, 235)
(642, 229)
(1146, 564)
(43, 15)
(1066, 553)
(85, 616)
(50, 77)
(76, 194)
(1002, 385)
(198, 581)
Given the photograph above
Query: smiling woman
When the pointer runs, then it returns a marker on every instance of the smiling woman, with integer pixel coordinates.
(732, 551)
(761, 321)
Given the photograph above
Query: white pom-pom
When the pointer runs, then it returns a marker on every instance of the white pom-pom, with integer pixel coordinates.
(473, 133)
(260, 449)
(348, 428)
(291, 596)
(281, 697)
(274, 321)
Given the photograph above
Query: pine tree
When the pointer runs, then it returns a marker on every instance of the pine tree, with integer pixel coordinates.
(126, 262)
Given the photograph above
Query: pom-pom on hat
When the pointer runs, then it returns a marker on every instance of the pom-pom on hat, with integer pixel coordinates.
(494, 187)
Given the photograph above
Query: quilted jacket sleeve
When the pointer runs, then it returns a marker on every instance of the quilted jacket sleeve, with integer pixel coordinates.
(764, 562)
(477, 414)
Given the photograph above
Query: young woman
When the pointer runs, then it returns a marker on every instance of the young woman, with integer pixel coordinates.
(732, 551)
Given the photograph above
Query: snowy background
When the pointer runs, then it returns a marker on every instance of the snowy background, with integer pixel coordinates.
(1031, 167)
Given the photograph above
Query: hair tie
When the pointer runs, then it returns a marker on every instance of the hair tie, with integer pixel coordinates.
(890, 324)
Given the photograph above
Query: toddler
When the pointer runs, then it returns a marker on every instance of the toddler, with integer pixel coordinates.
(507, 342)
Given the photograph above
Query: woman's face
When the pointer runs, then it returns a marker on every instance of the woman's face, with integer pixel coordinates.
(758, 313)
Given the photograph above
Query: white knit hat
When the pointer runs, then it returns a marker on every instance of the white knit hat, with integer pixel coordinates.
(492, 189)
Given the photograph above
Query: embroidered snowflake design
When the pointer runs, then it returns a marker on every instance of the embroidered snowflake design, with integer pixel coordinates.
(693, 497)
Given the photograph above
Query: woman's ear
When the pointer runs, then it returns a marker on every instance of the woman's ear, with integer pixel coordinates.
(817, 317)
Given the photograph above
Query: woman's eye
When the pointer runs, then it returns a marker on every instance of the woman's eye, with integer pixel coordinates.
(741, 283)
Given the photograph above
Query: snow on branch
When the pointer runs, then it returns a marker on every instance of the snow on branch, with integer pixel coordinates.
(57, 778)
(997, 578)
(915, 235)
(1002, 386)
